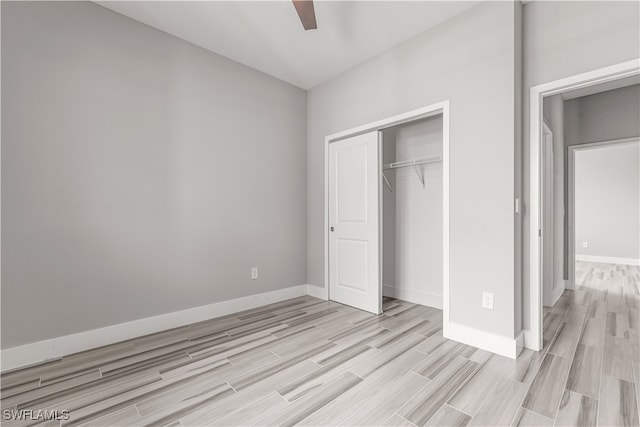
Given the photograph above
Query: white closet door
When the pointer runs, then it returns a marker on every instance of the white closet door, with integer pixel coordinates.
(354, 221)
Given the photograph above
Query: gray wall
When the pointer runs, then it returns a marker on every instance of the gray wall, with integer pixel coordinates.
(607, 201)
(140, 174)
(605, 116)
(389, 210)
(562, 39)
(469, 60)
(614, 114)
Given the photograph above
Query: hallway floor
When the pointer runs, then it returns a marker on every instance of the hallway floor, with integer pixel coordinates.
(591, 338)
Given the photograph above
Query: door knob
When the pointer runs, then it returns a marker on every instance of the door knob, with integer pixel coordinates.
(332, 228)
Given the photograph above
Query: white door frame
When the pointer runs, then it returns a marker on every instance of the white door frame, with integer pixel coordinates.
(571, 199)
(409, 116)
(533, 340)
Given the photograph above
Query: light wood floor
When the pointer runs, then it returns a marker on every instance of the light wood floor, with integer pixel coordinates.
(309, 362)
(592, 343)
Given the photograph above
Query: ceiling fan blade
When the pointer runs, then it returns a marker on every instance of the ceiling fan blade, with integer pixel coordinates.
(306, 13)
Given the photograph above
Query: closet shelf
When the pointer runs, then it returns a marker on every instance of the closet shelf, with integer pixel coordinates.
(406, 163)
(415, 162)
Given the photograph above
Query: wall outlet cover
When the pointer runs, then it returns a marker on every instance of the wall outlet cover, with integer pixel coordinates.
(487, 300)
(585, 244)
(254, 272)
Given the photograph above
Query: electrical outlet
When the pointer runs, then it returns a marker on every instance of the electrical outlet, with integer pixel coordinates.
(254, 272)
(585, 244)
(487, 300)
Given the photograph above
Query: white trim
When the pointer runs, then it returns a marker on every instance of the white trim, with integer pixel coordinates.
(41, 351)
(413, 295)
(607, 259)
(571, 199)
(409, 116)
(528, 340)
(446, 273)
(498, 344)
(380, 223)
(326, 217)
(590, 78)
(571, 218)
(318, 292)
(420, 113)
(519, 343)
(556, 293)
(600, 144)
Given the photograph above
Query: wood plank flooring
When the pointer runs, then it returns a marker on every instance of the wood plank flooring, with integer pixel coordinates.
(310, 362)
(589, 374)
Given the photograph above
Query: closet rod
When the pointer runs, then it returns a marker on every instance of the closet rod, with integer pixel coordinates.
(416, 162)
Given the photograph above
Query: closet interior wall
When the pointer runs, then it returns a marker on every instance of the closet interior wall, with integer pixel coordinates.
(412, 214)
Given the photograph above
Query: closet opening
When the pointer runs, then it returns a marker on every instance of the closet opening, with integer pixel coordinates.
(412, 219)
(387, 212)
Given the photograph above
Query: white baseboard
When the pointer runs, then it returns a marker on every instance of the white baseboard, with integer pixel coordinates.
(607, 259)
(317, 292)
(556, 293)
(41, 351)
(498, 344)
(414, 296)
(519, 343)
(528, 341)
(569, 286)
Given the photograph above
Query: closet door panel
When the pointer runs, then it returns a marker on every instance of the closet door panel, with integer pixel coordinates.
(354, 215)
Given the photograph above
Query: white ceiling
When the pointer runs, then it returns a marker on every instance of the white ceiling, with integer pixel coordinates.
(268, 36)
